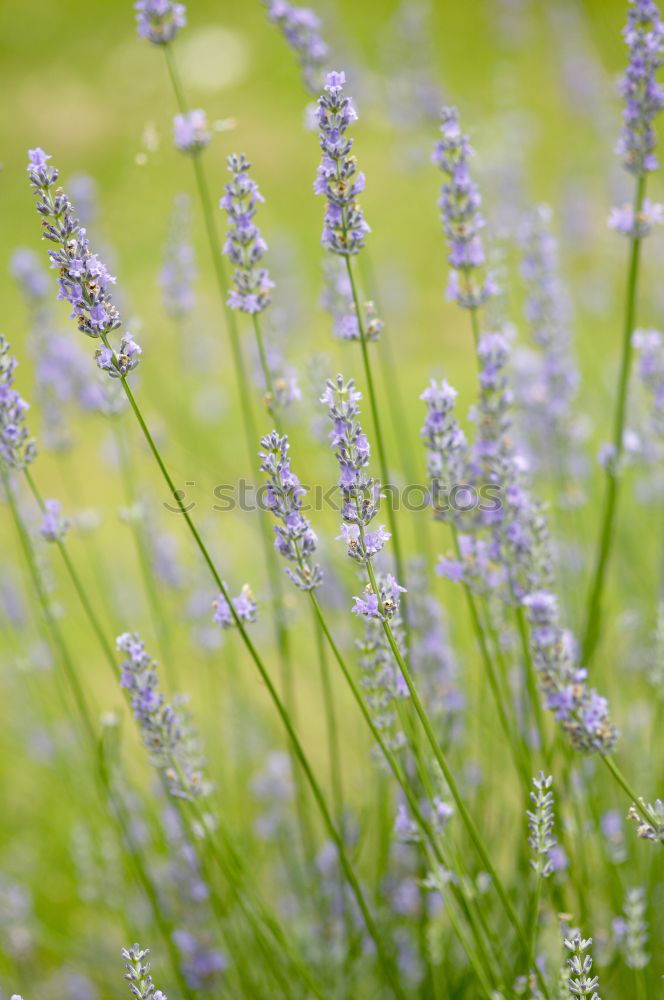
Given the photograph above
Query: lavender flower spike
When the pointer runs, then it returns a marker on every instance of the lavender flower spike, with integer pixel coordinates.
(344, 226)
(17, 448)
(244, 604)
(83, 279)
(165, 731)
(360, 496)
(159, 20)
(138, 974)
(53, 527)
(301, 28)
(644, 98)
(191, 132)
(446, 446)
(244, 246)
(178, 272)
(294, 537)
(462, 220)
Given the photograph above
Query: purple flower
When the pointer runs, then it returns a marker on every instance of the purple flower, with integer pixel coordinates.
(120, 364)
(17, 448)
(244, 246)
(547, 383)
(446, 447)
(190, 131)
(295, 539)
(159, 20)
(244, 605)
(383, 605)
(451, 569)
(53, 527)
(344, 226)
(164, 728)
(462, 220)
(644, 98)
(583, 713)
(83, 279)
(301, 28)
(623, 220)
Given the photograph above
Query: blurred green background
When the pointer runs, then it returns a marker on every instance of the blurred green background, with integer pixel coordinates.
(535, 84)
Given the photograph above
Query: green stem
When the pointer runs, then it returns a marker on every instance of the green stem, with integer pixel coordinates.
(532, 951)
(531, 681)
(606, 532)
(389, 757)
(110, 801)
(302, 759)
(373, 403)
(624, 784)
(441, 759)
(81, 593)
(508, 727)
(51, 624)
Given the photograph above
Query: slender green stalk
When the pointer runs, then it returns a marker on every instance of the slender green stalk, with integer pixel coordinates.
(534, 925)
(328, 694)
(613, 473)
(531, 681)
(45, 608)
(508, 727)
(441, 759)
(384, 956)
(109, 800)
(242, 382)
(624, 784)
(160, 621)
(373, 403)
(390, 758)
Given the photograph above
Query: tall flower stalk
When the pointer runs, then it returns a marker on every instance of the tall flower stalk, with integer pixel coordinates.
(644, 99)
(344, 231)
(166, 19)
(63, 228)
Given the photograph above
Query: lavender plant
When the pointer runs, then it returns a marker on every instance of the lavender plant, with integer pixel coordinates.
(386, 853)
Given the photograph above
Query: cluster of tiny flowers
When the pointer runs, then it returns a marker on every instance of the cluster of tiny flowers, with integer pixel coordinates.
(540, 825)
(653, 829)
(581, 711)
(191, 133)
(165, 733)
(360, 495)
(462, 220)
(580, 983)
(446, 447)
(159, 20)
(383, 605)
(244, 605)
(650, 345)
(381, 680)
(301, 28)
(294, 538)
(54, 526)
(138, 974)
(244, 246)
(17, 448)
(178, 272)
(623, 219)
(547, 388)
(644, 98)
(83, 279)
(632, 929)
(344, 227)
(337, 300)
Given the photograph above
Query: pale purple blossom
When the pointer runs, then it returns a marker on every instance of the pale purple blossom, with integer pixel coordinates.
(191, 132)
(54, 526)
(244, 246)
(301, 28)
(245, 608)
(159, 20)
(338, 179)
